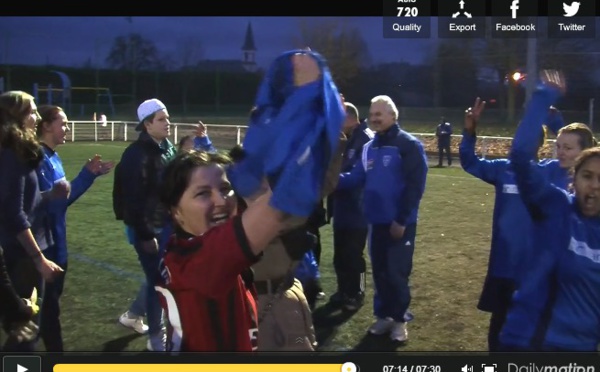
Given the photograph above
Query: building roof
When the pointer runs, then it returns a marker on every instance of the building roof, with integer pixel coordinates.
(249, 40)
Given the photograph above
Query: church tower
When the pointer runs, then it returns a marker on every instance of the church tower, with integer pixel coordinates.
(249, 50)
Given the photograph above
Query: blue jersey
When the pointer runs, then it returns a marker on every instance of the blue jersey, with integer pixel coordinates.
(511, 245)
(347, 204)
(50, 172)
(558, 305)
(292, 136)
(393, 172)
(307, 268)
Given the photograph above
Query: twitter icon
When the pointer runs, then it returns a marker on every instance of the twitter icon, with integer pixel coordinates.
(571, 10)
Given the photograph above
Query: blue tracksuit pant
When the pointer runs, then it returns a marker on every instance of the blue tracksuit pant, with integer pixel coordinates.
(391, 262)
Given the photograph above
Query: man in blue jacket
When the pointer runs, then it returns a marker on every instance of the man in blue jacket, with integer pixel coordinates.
(349, 225)
(393, 173)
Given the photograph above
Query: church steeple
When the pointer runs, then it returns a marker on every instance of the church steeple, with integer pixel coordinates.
(249, 48)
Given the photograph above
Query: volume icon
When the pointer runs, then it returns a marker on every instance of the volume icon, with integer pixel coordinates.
(467, 368)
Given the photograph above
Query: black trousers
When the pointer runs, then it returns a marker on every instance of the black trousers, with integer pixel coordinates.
(496, 298)
(497, 320)
(24, 277)
(349, 261)
(50, 326)
(441, 150)
(317, 249)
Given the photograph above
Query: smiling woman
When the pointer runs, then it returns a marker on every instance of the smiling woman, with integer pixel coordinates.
(52, 130)
(203, 286)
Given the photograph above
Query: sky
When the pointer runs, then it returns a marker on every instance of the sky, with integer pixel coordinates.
(70, 41)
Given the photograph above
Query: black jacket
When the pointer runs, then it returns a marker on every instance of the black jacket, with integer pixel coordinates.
(140, 170)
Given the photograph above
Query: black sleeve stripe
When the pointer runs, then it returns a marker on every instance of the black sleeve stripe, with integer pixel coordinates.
(242, 239)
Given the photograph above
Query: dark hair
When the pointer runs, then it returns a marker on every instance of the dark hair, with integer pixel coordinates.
(149, 118)
(237, 153)
(583, 157)
(178, 172)
(583, 132)
(48, 114)
(15, 107)
(182, 141)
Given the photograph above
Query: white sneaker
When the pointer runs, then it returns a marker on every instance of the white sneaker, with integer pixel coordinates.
(399, 332)
(134, 322)
(381, 326)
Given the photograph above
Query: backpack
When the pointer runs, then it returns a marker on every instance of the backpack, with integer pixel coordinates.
(117, 193)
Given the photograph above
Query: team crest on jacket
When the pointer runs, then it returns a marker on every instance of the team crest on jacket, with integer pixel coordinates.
(386, 160)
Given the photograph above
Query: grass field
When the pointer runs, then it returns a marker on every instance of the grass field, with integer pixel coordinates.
(450, 261)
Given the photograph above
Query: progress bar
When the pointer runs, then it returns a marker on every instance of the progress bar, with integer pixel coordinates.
(346, 367)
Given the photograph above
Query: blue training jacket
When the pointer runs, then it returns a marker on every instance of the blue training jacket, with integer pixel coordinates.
(393, 171)
(204, 144)
(292, 136)
(347, 204)
(50, 172)
(307, 269)
(558, 305)
(511, 245)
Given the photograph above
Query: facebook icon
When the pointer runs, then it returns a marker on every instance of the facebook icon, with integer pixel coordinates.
(514, 7)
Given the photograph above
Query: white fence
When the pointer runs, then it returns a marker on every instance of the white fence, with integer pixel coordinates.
(226, 136)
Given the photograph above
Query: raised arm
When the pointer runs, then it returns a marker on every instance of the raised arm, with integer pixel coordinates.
(486, 170)
(94, 168)
(555, 120)
(202, 140)
(534, 187)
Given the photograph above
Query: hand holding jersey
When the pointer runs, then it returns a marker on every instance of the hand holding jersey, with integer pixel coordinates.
(293, 133)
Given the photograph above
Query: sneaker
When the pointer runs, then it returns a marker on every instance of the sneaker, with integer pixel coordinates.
(399, 332)
(381, 326)
(354, 303)
(337, 298)
(134, 322)
(157, 342)
(321, 295)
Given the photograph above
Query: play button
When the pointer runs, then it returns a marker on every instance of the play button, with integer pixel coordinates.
(25, 363)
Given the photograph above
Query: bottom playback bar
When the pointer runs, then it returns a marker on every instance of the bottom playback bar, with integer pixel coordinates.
(303, 362)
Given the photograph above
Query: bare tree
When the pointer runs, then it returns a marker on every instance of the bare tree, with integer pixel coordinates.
(132, 52)
(191, 52)
(343, 46)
